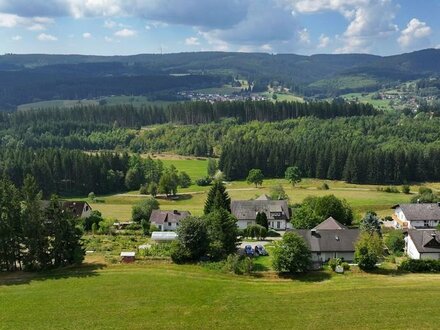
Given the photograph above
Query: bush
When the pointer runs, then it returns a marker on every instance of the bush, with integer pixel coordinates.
(420, 266)
(273, 233)
(202, 182)
(389, 189)
(395, 241)
(334, 262)
(178, 253)
(238, 264)
(345, 266)
(369, 248)
(257, 231)
(324, 186)
(143, 190)
(406, 189)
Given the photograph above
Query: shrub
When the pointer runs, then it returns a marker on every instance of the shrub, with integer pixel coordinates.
(273, 233)
(334, 262)
(178, 253)
(324, 186)
(420, 266)
(369, 248)
(395, 241)
(345, 266)
(239, 264)
(406, 189)
(202, 182)
(143, 190)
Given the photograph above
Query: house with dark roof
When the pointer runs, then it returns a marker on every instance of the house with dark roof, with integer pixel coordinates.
(423, 244)
(277, 212)
(330, 239)
(167, 220)
(416, 216)
(79, 209)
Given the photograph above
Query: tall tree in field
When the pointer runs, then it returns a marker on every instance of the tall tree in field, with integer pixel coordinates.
(212, 167)
(255, 176)
(217, 198)
(370, 223)
(293, 175)
(34, 231)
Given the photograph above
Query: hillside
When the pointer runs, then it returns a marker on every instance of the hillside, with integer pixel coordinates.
(52, 77)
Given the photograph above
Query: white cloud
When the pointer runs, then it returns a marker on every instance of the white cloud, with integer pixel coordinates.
(304, 36)
(415, 34)
(17, 38)
(192, 41)
(87, 35)
(323, 41)
(109, 24)
(125, 33)
(108, 39)
(369, 20)
(46, 37)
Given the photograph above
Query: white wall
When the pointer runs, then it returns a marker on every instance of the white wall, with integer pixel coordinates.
(435, 256)
(411, 249)
(167, 226)
(347, 256)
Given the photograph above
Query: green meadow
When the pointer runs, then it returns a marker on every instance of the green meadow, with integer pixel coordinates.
(361, 197)
(165, 296)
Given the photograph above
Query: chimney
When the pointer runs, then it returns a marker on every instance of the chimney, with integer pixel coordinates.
(175, 212)
(314, 232)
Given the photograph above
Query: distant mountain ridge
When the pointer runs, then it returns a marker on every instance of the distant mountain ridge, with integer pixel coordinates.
(308, 75)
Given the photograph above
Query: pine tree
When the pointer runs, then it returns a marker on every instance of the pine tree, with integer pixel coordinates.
(217, 198)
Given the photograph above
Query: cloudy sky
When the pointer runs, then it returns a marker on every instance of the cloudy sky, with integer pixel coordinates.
(110, 27)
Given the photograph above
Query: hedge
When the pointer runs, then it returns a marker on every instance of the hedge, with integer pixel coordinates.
(420, 266)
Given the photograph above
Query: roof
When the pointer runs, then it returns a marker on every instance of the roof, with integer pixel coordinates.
(426, 241)
(161, 216)
(330, 223)
(330, 240)
(263, 197)
(420, 211)
(248, 210)
(163, 236)
(75, 207)
(128, 254)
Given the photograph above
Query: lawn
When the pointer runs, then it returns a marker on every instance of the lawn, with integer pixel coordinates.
(164, 296)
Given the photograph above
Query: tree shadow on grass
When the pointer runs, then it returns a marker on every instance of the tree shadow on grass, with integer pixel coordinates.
(180, 197)
(19, 278)
(313, 276)
(386, 272)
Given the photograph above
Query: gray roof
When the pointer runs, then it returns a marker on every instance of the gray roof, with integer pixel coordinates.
(330, 240)
(161, 217)
(247, 210)
(420, 211)
(330, 223)
(263, 197)
(76, 208)
(426, 241)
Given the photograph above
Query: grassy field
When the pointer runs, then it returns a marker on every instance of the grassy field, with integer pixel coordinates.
(361, 197)
(164, 296)
(367, 98)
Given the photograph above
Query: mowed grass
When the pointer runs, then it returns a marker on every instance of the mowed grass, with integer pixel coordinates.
(362, 198)
(163, 296)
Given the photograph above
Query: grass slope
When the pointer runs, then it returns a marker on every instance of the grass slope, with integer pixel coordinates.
(188, 297)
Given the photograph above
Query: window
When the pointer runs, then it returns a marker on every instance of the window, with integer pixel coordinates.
(278, 224)
(425, 223)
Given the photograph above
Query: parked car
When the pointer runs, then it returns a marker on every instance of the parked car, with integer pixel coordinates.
(260, 250)
(249, 251)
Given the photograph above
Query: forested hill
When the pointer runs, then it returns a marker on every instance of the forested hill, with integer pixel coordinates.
(36, 77)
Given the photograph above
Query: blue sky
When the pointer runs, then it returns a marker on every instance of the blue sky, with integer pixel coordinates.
(120, 27)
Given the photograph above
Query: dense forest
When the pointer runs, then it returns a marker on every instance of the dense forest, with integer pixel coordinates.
(334, 140)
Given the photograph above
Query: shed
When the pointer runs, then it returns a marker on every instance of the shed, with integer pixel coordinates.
(128, 257)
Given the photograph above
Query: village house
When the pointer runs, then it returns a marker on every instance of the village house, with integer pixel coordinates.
(128, 257)
(423, 244)
(79, 209)
(330, 239)
(167, 220)
(277, 212)
(416, 216)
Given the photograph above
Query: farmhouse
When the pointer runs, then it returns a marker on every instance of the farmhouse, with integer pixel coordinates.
(167, 220)
(414, 216)
(330, 239)
(78, 209)
(423, 244)
(277, 212)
